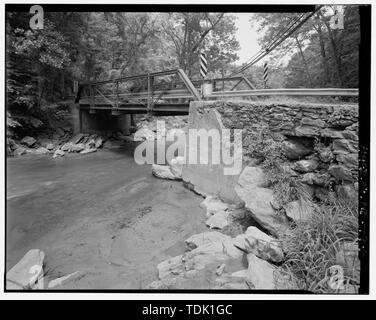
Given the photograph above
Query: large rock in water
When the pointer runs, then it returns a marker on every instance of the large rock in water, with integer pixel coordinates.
(27, 272)
(204, 238)
(260, 273)
(163, 172)
(258, 201)
(259, 243)
(28, 141)
(218, 220)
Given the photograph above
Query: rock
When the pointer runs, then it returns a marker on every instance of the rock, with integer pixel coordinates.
(163, 172)
(42, 150)
(332, 133)
(351, 135)
(220, 269)
(144, 134)
(213, 205)
(98, 143)
(171, 267)
(218, 220)
(19, 151)
(306, 165)
(225, 247)
(293, 149)
(50, 146)
(60, 281)
(325, 155)
(253, 176)
(313, 122)
(28, 141)
(260, 273)
(299, 210)
(340, 172)
(27, 272)
(347, 192)
(257, 201)
(349, 160)
(58, 153)
(67, 146)
(259, 243)
(204, 238)
(77, 147)
(77, 138)
(307, 131)
(344, 146)
(88, 150)
(176, 166)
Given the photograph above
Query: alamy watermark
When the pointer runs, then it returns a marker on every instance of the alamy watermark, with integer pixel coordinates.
(197, 147)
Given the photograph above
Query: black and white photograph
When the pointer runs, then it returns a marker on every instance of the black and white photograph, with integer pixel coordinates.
(165, 148)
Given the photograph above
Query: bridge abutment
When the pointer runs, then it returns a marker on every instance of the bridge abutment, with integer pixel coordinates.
(102, 120)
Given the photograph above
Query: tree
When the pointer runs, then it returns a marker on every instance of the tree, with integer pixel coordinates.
(192, 32)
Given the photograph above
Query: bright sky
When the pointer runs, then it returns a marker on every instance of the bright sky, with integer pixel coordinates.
(247, 37)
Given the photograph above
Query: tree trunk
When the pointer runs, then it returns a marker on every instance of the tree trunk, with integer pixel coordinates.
(323, 55)
(304, 62)
(336, 56)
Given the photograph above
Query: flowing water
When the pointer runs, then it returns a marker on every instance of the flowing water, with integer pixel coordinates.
(100, 214)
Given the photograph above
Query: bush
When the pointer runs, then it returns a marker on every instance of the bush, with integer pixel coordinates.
(314, 246)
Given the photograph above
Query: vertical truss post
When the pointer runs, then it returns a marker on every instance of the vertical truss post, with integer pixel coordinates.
(92, 99)
(150, 92)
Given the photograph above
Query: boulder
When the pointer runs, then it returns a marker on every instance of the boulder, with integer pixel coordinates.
(78, 138)
(260, 273)
(163, 172)
(349, 160)
(98, 142)
(27, 272)
(77, 147)
(67, 146)
(28, 141)
(88, 150)
(253, 176)
(176, 166)
(307, 131)
(19, 151)
(213, 205)
(58, 153)
(340, 172)
(204, 238)
(257, 201)
(306, 165)
(50, 146)
(225, 247)
(219, 220)
(294, 149)
(62, 280)
(42, 150)
(344, 146)
(299, 210)
(259, 243)
(325, 155)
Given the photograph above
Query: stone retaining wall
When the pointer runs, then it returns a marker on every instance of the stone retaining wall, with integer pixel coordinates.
(320, 140)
